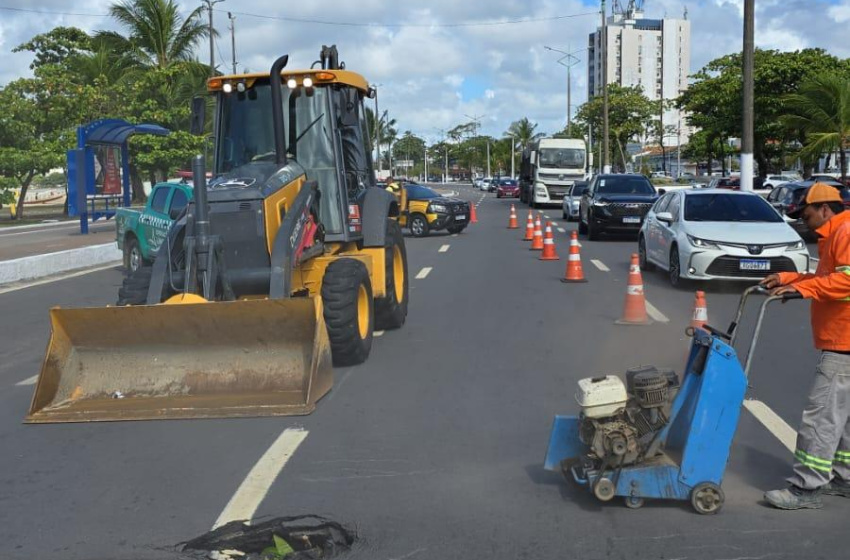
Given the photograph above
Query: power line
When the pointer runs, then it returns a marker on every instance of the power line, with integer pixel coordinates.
(402, 25)
(50, 12)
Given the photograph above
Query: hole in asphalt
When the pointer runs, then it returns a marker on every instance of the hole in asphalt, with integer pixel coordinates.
(309, 536)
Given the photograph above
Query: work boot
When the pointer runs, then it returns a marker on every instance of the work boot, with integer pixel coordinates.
(794, 498)
(837, 487)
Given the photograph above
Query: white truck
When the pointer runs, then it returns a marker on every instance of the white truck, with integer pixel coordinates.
(554, 165)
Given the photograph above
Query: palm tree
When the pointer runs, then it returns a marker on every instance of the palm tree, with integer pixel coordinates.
(523, 131)
(158, 35)
(821, 110)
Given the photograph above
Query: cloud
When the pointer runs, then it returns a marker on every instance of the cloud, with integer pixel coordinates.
(431, 75)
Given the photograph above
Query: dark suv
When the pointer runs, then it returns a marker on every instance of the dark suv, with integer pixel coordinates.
(615, 203)
(787, 197)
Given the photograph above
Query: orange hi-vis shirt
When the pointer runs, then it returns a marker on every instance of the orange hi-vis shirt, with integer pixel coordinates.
(829, 286)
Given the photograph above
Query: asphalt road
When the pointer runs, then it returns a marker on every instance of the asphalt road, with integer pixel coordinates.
(434, 447)
(23, 242)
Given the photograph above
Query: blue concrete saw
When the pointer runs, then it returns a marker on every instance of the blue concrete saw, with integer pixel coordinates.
(654, 437)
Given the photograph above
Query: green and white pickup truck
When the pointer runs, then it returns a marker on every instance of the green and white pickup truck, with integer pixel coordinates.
(140, 231)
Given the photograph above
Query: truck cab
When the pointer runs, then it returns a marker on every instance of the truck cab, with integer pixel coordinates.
(556, 164)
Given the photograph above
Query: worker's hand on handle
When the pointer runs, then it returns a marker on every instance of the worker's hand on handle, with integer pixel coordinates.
(784, 290)
(770, 282)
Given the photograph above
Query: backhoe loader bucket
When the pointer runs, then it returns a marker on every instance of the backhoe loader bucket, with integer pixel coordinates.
(198, 360)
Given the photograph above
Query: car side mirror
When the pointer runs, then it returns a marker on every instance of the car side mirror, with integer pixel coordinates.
(666, 217)
(662, 191)
(174, 213)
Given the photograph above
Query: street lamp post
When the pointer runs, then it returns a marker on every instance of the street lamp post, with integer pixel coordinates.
(476, 120)
(606, 165)
(571, 60)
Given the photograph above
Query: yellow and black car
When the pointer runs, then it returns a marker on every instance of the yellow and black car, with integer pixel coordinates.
(427, 210)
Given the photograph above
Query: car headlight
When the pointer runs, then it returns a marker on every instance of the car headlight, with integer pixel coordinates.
(797, 245)
(702, 243)
(540, 190)
(437, 208)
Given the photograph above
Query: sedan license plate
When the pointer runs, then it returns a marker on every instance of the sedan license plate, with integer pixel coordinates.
(460, 217)
(751, 264)
(631, 219)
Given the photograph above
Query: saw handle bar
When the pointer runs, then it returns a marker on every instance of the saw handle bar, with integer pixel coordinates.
(731, 333)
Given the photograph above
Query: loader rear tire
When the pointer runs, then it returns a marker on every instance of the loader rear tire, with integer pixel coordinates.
(391, 311)
(349, 311)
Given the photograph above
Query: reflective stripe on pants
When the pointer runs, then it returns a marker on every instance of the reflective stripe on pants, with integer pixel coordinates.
(823, 440)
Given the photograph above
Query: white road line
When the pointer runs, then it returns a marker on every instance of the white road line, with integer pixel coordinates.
(378, 333)
(254, 488)
(775, 425)
(27, 381)
(423, 273)
(57, 278)
(454, 235)
(561, 230)
(600, 265)
(443, 249)
(655, 313)
(554, 224)
(545, 216)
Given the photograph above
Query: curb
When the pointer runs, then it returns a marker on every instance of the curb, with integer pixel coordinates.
(38, 266)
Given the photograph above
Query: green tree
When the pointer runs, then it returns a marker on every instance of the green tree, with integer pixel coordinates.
(821, 109)
(524, 131)
(158, 35)
(630, 114)
(410, 148)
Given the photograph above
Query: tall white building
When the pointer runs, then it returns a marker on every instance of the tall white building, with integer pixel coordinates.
(652, 53)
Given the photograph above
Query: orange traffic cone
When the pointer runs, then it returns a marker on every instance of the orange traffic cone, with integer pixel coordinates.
(574, 272)
(529, 228)
(537, 242)
(700, 310)
(549, 253)
(473, 217)
(512, 222)
(634, 311)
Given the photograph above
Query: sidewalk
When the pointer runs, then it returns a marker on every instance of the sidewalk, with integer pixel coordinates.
(36, 251)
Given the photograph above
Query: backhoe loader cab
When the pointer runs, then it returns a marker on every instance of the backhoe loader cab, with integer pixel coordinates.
(286, 261)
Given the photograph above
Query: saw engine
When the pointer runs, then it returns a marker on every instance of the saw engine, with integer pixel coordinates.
(618, 422)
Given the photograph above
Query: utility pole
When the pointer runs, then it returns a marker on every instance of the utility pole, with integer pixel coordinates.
(425, 149)
(210, 4)
(232, 38)
(377, 131)
(747, 137)
(488, 157)
(513, 153)
(476, 123)
(606, 165)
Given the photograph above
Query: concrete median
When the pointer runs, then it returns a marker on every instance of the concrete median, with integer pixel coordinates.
(49, 264)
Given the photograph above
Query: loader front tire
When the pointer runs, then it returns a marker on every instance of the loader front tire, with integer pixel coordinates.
(134, 289)
(391, 310)
(348, 310)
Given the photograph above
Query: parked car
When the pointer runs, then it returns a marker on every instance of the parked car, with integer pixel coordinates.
(786, 198)
(773, 181)
(507, 187)
(718, 234)
(827, 177)
(571, 202)
(732, 183)
(476, 183)
(659, 175)
(615, 203)
(427, 210)
(140, 231)
(485, 184)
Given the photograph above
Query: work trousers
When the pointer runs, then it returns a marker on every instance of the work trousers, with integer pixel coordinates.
(823, 440)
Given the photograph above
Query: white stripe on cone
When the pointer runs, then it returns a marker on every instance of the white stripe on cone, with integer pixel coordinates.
(634, 290)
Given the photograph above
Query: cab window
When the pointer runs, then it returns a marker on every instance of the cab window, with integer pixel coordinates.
(160, 195)
(178, 202)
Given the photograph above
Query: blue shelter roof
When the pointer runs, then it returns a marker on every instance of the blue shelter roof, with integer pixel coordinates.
(115, 131)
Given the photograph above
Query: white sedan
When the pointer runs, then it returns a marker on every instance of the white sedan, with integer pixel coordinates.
(718, 234)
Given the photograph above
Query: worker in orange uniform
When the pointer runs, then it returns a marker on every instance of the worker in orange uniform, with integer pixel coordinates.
(822, 455)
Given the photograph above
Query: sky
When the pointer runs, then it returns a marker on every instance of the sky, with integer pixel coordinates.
(441, 62)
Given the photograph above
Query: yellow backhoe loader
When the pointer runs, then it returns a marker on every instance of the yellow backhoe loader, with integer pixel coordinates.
(283, 264)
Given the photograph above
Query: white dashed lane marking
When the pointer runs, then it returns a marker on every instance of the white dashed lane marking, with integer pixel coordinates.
(423, 273)
(772, 421)
(254, 488)
(378, 333)
(443, 249)
(656, 315)
(600, 265)
(561, 230)
(27, 381)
